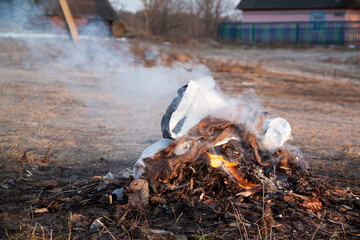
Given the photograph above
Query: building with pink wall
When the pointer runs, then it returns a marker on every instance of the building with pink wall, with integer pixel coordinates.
(299, 10)
(296, 21)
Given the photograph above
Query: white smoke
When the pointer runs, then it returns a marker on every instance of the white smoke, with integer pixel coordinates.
(116, 91)
(118, 102)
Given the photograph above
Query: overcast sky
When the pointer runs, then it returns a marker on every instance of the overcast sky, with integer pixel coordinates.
(132, 5)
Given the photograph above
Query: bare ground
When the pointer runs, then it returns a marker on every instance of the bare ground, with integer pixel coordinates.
(316, 89)
(74, 128)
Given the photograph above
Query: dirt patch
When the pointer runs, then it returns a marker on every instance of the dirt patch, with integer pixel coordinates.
(34, 206)
(76, 116)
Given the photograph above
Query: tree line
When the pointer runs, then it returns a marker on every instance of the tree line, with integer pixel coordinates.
(180, 19)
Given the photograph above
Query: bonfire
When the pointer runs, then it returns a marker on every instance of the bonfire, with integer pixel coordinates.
(248, 150)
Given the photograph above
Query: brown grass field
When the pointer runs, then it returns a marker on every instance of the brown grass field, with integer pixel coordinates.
(72, 112)
(44, 101)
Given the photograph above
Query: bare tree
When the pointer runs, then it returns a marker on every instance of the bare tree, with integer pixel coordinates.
(183, 19)
(161, 16)
(149, 7)
(212, 12)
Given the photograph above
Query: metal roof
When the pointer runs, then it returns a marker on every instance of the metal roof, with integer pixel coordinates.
(83, 8)
(297, 4)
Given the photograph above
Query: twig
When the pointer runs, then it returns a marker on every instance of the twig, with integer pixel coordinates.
(70, 225)
(43, 233)
(67, 191)
(33, 201)
(109, 219)
(318, 226)
(263, 212)
(127, 232)
(41, 210)
(179, 216)
(173, 210)
(33, 233)
(240, 219)
(342, 226)
(302, 197)
(46, 155)
(334, 235)
(107, 230)
(157, 231)
(50, 204)
(346, 180)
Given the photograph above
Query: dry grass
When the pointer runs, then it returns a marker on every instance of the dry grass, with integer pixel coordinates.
(146, 56)
(76, 115)
(79, 124)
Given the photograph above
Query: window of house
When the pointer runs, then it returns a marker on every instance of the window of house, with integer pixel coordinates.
(317, 16)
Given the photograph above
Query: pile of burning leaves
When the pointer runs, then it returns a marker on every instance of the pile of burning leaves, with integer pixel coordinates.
(215, 182)
(217, 172)
(227, 151)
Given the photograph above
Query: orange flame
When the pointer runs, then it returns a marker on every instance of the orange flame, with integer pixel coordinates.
(217, 161)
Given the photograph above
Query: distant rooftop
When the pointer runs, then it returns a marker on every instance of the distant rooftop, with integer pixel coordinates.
(298, 4)
(82, 8)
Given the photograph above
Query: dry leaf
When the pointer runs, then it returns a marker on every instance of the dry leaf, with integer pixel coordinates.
(313, 204)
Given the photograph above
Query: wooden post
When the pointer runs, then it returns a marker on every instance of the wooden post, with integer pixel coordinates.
(69, 20)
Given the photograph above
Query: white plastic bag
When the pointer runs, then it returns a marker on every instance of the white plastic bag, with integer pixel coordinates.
(139, 167)
(197, 102)
(276, 131)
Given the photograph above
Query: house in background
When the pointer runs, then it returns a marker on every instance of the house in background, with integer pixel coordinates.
(299, 10)
(39, 14)
(86, 13)
(298, 21)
